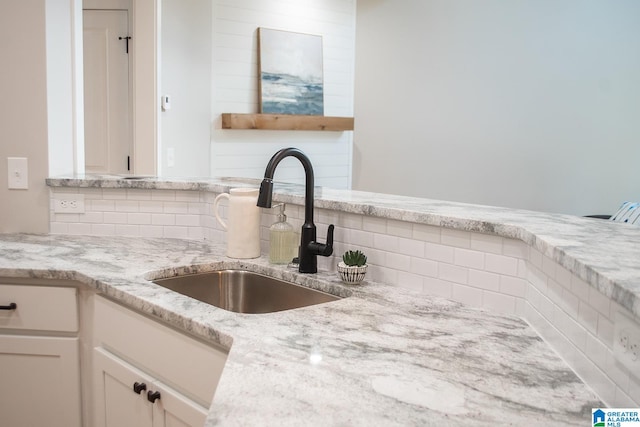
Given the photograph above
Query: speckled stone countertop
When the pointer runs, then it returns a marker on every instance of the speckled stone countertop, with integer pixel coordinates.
(605, 254)
(381, 356)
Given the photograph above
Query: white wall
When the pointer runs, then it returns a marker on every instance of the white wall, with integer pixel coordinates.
(245, 153)
(23, 114)
(530, 104)
(185, 75)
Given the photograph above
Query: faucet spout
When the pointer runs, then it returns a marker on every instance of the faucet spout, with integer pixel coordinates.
(309, 248)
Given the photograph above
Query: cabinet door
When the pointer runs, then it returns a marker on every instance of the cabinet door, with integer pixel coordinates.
(117, 405)
(39, 381)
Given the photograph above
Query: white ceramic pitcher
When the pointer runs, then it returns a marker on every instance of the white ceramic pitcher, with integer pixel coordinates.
(243, 223)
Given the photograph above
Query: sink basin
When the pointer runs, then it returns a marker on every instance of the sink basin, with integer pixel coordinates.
(244, 291)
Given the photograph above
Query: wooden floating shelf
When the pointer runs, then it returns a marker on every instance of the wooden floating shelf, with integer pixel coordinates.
(285, 122)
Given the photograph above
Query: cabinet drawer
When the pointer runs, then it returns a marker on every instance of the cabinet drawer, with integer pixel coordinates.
(191, 367)
(43, 308)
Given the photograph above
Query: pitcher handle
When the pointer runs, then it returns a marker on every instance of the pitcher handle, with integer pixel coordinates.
(215, 208)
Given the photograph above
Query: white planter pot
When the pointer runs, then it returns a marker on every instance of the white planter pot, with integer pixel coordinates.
(351, 275)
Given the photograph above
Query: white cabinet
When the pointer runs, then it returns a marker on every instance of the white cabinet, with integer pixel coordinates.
(39, 362)
(133, 350)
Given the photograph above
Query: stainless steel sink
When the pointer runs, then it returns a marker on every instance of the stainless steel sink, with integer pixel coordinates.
(244, 291)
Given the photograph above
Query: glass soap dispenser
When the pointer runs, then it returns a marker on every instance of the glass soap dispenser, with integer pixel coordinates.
(281, 239)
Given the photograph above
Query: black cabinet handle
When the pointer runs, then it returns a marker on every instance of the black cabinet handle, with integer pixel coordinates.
(152, 396)
(11, 306)
(139, 387)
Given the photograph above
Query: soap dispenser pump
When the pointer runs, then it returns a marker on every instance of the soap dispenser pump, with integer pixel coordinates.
(281, 239)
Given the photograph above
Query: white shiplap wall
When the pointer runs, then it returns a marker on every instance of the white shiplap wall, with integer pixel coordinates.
(245, 153)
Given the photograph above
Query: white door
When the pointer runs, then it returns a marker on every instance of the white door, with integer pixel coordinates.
(107, 120)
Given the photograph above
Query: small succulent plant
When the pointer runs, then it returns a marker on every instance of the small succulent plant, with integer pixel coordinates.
(354, 258)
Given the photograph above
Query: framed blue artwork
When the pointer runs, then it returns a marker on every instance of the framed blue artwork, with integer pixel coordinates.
(291, 75)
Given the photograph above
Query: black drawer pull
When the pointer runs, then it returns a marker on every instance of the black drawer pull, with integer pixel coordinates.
(139, 387)
(152, 396)
(11, 306)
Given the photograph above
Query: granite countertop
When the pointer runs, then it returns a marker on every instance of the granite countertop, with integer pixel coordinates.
(381, 356)
(605, 254)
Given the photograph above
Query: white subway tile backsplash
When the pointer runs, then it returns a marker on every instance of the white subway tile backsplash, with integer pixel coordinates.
(605, 330)
(457, 238)
(374, 224)
(112, 218)
(187, 196)
(151, 231)
(580, 288)
(515, 249)
(114, 193)
(486, 243)
(591, 374)
(398, 261)
(358, 238)
(535, 258)
(424, 267)
(59, 228)
(618, 373)
(410, 281)
(176, 232)
(571, 329)
(437, 287)
(501, 264)
(139, 218)
(151, 206)
(65, 217)
(127, 230)
(188, 220)
(468, 258)
(453, 273)
(466, 294)
(176, 207)
(79, 228)
(127, 206)
(138, 194)
(438, 252)
(399, 228)
(103, 229)
(350, 221)
(412, 247)
(499, 302)
(563, 277)
(101, 205)
(95, 217)
(634, 390)
(537, 278)
(588, 317)
(548, 266)
(426, 233)
(385, 242)
(484, 280)
(598, 301)
(163, 219)
(163, 195)
(513, 286)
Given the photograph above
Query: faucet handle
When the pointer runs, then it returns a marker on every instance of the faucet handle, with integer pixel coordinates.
(324, 249)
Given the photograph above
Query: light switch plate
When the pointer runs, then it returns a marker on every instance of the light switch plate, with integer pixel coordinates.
(18, 173)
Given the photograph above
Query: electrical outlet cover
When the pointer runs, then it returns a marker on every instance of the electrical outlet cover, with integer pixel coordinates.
(68, 203)
(626, 343)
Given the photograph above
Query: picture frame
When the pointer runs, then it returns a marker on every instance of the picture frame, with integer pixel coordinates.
(291, 79)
